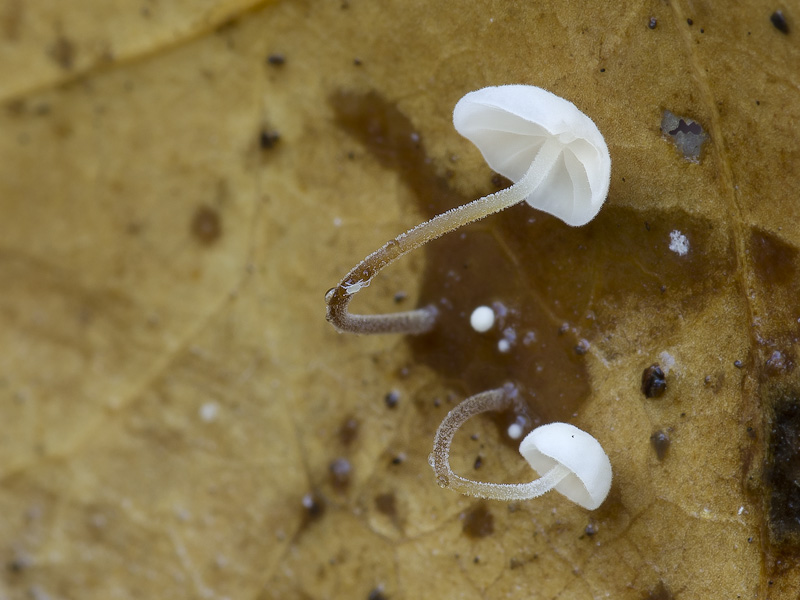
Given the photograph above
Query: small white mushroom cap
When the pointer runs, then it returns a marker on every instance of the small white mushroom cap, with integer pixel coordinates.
(511, 123)
(556, 444)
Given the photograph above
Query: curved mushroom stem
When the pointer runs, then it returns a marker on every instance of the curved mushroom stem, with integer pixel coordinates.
(439, 459)
(423, 319)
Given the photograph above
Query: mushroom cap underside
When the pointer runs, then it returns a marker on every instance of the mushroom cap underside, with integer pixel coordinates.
(589, 482)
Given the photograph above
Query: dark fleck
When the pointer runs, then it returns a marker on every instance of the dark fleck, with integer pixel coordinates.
(63, 52)
(689, 22)
(206, 226)
(478, 463)
(376, 594)
(478, 522)
(313, 506)
(690, 127)
(779, 21)
(590, 530)
(602, 70)
(654, 382)
(660, 442)
(392, 398)
(276, 60)
(702, 30)
(477, 559)
(660, 592)
(340, 473)
(268, 138)
(398, 460)
(652, 23)
(357, 62)
(399, 297)
(348, 431)
(737, 364)
(582, 347)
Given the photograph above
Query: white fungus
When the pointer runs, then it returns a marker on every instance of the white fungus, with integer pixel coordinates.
(568, 459)
(678, 243)
(482, 319)
(554, 154)
(504, 345)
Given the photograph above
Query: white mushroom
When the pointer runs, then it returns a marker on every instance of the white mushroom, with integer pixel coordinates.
(554, 153)
(568, 459)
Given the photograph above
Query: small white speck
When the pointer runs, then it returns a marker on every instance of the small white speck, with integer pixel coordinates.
(504, 345)
(529, 338)
(678, 243)
(667, 361)
(482, 319)
(515, 431)
(337, 221)
(741, 510)
(209, 411)
(308, 501)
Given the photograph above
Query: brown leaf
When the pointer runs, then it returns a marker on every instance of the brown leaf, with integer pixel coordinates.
(181, 422)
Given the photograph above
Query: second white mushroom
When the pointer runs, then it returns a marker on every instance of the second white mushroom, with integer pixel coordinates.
(568, 460)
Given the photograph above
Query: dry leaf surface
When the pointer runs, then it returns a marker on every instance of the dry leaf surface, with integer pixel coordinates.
(181, 422)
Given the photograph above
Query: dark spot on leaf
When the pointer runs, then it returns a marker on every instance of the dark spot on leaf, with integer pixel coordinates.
(782, 472)
(392, 398)
(689, 22)
(590, 529)
(377, 594)
(386, 504)
(63, 52)
(313, 508)
(478, 522)
(779, 21)
(659, 592)
(268, 138)
(738, 364)
(654, 382)
(348, 431)
(206, 227)
(652, 23)
(478, 463)
(276, 60)
(660, 442)
(340, 469)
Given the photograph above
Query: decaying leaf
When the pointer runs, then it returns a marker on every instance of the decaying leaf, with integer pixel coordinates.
(179, 419)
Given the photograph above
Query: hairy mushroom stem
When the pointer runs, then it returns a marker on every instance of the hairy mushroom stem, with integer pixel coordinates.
(422, 320)
(498, 399)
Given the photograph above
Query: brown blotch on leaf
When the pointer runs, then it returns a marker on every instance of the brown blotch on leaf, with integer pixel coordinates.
(774, 260)
(478, 522)
(63, 52)
(660, 442)
(348, 431)
(654, 382)
(206, 226)
(782, 472)
(386, 504)
(503, 254)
